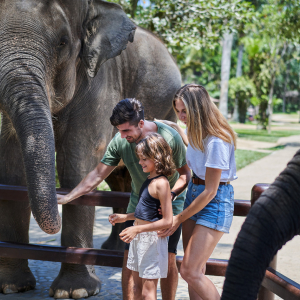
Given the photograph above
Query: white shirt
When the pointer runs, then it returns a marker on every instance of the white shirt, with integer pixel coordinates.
(217, 154)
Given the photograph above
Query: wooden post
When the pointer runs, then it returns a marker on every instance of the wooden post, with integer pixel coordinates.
(257, 190)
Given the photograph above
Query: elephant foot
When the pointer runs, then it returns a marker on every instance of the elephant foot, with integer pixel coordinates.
(15, 280)
(75, 281)
(113, 243)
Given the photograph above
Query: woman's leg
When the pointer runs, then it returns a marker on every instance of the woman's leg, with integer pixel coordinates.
(200, 246)
(149, 289)
(187, 231)
(137, 286)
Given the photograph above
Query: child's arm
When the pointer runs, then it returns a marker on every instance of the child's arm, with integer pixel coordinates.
(120, 218)
(164, 195)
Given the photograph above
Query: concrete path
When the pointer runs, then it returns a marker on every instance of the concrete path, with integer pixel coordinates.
(262, 171)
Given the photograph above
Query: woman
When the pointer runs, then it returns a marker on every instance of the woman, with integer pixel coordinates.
(209, 204)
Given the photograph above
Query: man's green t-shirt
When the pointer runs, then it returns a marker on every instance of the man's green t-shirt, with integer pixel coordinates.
(119, 149)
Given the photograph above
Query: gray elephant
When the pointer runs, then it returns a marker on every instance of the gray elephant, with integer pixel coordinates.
(62, 70)
(271, 222)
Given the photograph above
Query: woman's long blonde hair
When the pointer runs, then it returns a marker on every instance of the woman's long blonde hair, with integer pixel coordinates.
(203, 116)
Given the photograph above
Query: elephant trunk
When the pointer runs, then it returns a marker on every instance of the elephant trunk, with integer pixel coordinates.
(271, 222)
(24, 99)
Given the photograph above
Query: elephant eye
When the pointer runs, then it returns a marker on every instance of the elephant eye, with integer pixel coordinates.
(63, 41)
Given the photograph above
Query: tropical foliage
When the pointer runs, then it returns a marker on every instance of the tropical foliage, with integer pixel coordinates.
(268, 31)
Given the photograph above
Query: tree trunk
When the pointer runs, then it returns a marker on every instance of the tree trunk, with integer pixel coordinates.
(133, 4)
(285, 86)
(270, 105)
(225, 73)
(238, 74)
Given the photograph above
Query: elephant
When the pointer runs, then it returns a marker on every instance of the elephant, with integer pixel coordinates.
(64, 65)
(273, 220)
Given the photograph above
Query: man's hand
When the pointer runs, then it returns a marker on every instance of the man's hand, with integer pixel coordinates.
(62, 199)
(128, 234)
(117, 218)
(171, 230)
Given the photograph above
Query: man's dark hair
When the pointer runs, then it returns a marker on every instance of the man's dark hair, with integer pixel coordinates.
(127, 110)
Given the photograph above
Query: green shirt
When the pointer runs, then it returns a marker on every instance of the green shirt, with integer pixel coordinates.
(119, 149)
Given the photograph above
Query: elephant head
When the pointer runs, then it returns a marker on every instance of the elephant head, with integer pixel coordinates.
(43, 46)
(273, 220)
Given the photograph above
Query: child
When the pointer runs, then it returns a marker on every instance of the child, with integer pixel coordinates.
(148, 253)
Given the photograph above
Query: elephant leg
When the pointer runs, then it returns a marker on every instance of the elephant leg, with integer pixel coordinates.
(15, 275)
(76, 281)
(118, 180)
(74, 161)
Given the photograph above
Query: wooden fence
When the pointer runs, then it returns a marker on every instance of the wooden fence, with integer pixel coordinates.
(273, 282)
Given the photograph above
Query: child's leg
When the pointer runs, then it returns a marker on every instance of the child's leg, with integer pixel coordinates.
(137, 286)
(149, 289)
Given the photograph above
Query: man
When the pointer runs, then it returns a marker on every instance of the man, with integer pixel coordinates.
(128, 118)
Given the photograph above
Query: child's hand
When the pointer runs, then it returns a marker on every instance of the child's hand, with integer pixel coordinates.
(128, 234)
(117, 218)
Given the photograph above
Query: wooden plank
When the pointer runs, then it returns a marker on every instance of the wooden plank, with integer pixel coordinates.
(99, 198)
(95, 198)
(87, 256)
(273, 281)
(241, 207)
(281, 285)
(216, 267)
(72, 255)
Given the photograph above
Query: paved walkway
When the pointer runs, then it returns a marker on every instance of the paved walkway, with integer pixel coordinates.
(262, 171)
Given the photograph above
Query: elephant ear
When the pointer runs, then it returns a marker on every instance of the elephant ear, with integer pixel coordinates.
(107, 32)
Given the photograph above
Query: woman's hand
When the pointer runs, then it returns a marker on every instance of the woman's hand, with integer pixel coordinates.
(128, 234)
(169, 123)
(117, 218)
(62, 199)
(171, 230)
(177, 128)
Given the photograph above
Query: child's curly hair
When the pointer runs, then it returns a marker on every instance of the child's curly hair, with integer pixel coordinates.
(154, 147)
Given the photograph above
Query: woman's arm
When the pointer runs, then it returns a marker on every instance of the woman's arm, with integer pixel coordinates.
(177, 128)
(164, 195)
(212, 181)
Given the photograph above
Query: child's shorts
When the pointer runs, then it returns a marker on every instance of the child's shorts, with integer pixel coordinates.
(148, 255)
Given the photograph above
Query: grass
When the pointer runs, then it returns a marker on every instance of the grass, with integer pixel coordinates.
(103, 186)
(246, 157)
(262, 135)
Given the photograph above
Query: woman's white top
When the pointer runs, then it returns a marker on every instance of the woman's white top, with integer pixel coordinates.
(217, 154)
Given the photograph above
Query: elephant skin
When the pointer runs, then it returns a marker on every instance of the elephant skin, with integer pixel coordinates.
(272, 221)
(64, 65)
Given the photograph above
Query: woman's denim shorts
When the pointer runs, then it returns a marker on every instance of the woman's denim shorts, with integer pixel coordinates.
(218, 213)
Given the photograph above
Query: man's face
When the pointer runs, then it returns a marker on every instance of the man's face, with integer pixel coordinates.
(131, 133)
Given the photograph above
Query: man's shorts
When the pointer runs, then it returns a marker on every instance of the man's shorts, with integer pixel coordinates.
(148, 255)
(173, 239)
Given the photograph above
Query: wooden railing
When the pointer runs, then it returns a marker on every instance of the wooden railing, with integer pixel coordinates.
(273, 281)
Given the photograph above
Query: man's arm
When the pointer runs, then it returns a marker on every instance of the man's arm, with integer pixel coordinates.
(183, 180)
(91, 180)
